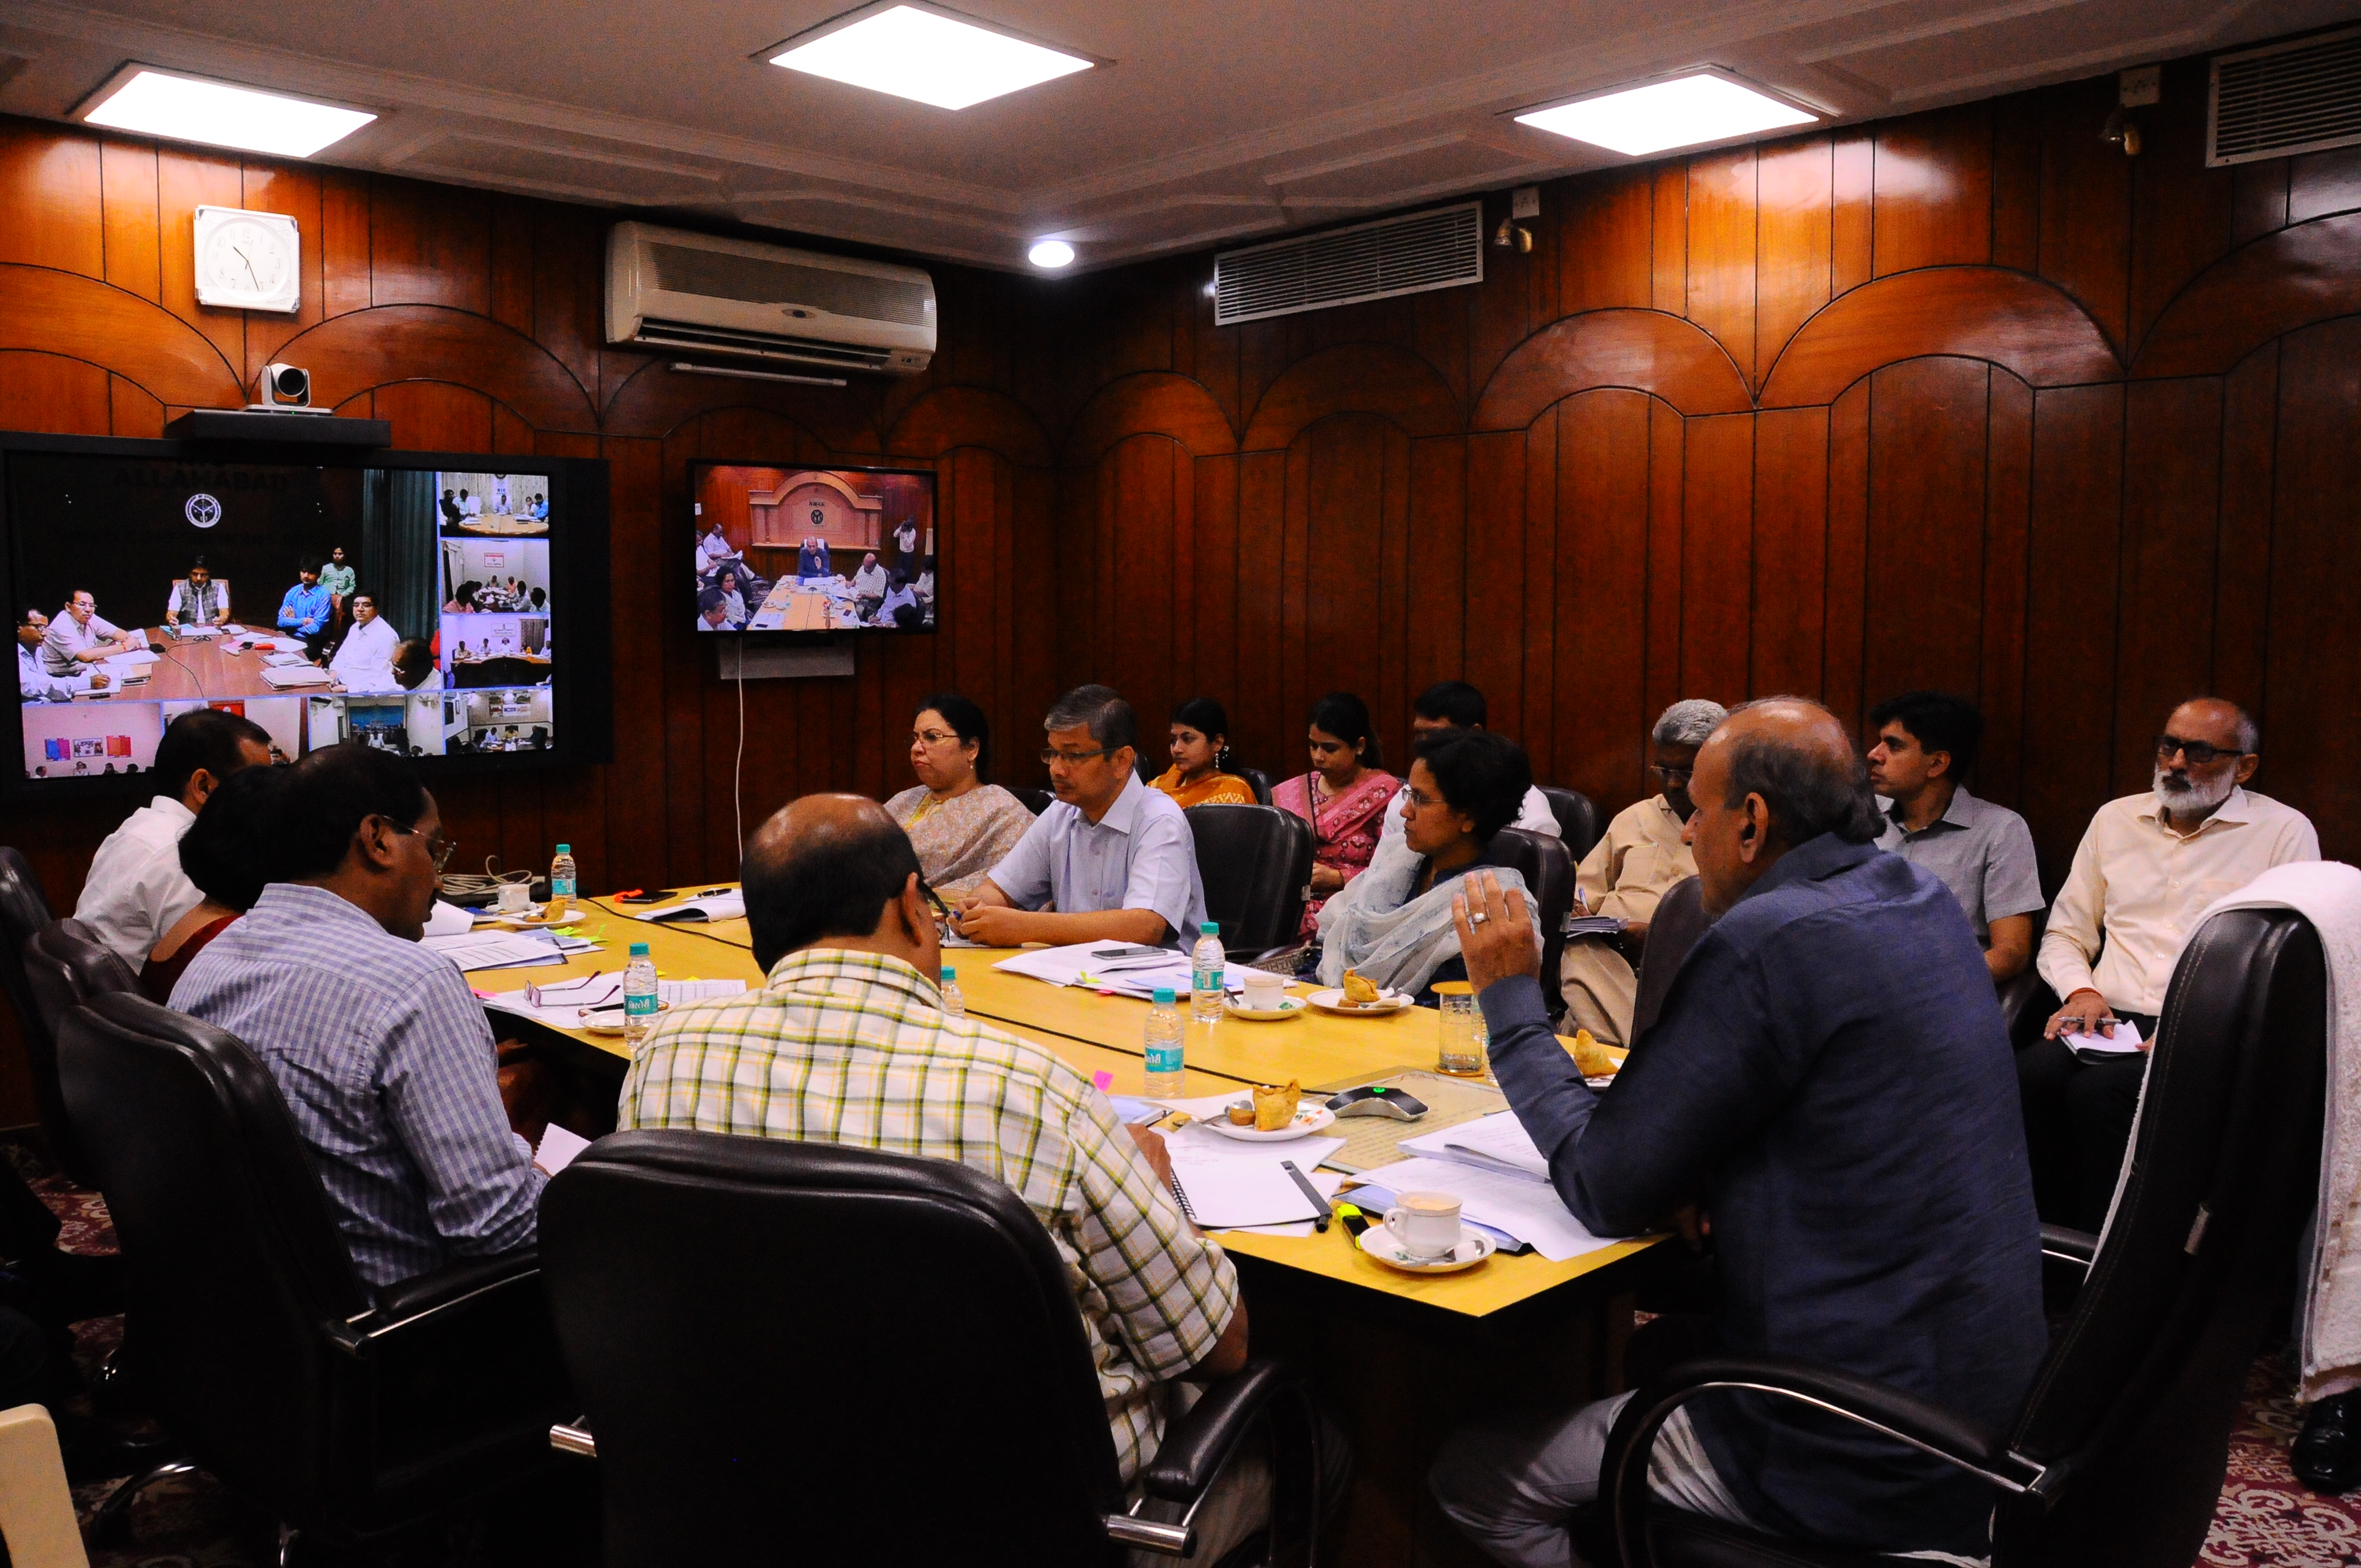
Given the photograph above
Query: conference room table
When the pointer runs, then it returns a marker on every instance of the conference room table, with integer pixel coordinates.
(201, 669)
(1401, 1357)
(791, 607)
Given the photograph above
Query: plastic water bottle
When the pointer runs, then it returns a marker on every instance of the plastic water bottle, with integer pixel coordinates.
(639, 994)
(954, 999)
(1165, 1033)
(1207, 966)
(562, 875)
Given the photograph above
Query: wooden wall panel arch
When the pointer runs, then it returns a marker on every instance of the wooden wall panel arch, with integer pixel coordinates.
(2282, 283)
(51, 312)
(950, 417)
(647, 397)
(1179, 407)
(346, 354)
(2034, 329)
(1647, 351)
(1362, 377)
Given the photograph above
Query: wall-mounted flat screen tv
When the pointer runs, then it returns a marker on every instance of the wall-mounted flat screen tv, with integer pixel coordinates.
(788, 550)
(452, 607)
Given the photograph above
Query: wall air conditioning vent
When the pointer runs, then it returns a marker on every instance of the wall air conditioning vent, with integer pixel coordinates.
(670, 290)
(2284, 98)
(1409, 254)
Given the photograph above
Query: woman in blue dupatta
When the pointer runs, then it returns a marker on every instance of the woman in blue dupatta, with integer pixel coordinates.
(1392, 923)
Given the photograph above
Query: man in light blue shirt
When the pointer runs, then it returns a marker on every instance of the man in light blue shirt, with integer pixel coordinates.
(1110, 858)
(307, 607)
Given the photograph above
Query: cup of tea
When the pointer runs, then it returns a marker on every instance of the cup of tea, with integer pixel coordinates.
(515, 897)
(1426, 1224)
(1265, 990)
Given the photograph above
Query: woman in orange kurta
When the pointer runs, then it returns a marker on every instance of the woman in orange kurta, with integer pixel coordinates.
(1201, 758)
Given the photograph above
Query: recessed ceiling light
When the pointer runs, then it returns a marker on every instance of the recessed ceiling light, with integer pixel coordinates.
(1685, 111)
(932, 56)
(218, 114)
(1050, 254)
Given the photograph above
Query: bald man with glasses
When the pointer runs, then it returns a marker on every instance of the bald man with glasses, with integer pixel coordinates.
(2148, 867)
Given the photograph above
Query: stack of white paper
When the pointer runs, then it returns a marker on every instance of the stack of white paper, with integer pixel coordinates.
(296, 674)
(2124, 1042)
(721, 907)
(497, 949)
(1497, 1143)
(1112, 966)
(1231, 1185)
(564, 1005)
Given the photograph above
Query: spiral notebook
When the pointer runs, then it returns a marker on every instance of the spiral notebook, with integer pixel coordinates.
(1222, 1190)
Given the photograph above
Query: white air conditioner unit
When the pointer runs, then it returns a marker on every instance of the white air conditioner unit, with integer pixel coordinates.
(681, 292)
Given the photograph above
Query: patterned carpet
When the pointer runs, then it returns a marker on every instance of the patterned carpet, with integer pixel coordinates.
(2265, 1517)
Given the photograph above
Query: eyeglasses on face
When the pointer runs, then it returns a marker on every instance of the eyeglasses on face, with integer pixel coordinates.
(438, 848)
(1053, 756)
(2199, 753)
(931, 736)
(1674, 776)
(1421, 801)
(934, 898)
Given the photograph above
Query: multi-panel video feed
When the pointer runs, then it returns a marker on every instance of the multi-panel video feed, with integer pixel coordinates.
(405, 608)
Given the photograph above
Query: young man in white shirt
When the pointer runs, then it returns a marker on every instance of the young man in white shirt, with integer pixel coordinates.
(1455, 705)
(364, 663)
(135, 889)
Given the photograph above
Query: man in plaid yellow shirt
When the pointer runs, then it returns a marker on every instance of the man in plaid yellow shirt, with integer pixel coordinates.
(846, 1042)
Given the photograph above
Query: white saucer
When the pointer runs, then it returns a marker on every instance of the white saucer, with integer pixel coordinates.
(1474, 1247)
(1288, 1007)
(1333, 1000)
(1308, 1119)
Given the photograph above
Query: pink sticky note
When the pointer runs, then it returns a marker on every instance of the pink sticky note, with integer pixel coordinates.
(1103, 1079)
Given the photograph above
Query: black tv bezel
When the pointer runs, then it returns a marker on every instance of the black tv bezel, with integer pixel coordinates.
(583, 712)
(836, 636)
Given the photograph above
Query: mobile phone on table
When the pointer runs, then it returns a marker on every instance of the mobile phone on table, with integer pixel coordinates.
(1127, 952)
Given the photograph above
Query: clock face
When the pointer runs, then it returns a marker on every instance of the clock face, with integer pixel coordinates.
(246, 260)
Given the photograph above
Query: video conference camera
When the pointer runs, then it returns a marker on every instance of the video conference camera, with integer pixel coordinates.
(285, 390)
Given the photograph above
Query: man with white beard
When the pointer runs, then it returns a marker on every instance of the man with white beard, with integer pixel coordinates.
(2148, 867)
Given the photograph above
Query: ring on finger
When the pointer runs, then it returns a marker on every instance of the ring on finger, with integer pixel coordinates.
(1478, 917)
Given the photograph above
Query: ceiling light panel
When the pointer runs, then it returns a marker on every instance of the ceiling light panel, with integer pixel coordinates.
(166, 103)
(1687, 111)
(929, 56)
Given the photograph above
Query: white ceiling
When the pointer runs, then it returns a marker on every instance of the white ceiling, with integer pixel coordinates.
(1217, 120)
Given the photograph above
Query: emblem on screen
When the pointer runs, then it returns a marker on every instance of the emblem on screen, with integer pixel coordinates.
(203, 510)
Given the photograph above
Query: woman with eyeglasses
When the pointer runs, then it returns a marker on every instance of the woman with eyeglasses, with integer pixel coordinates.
(960, 826)
(1392, 924)
(1343, 797)
(1199, 772)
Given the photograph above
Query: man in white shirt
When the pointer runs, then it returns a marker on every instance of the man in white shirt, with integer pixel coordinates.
(80, 636)
(364, 662)
(136, 890)
(470, 506)
(2148, 867)
(869, 586)
(33, 681)
(1455, 705)
(203, 600)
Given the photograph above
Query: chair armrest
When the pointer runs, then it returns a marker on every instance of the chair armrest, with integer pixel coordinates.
(1196, 1446)
(2069, 1246)
(424, 1297)
(1957, 1441)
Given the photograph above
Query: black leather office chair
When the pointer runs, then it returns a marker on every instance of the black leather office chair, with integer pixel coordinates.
(66, 964)
(2027, 1002)
(352, 1413)
(1548, 872)
(1577, 818)
(2119, 1454)
(797, 1349)
(1255, 862)
(1036, 801)
(24, 911)
(1680, 920)
(1261, 783)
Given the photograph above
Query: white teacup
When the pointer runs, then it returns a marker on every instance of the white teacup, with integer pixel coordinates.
(1426, 1224)
(1265, 990)
(515, 897)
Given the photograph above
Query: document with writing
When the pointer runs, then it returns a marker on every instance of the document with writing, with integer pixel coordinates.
(1496, 1143)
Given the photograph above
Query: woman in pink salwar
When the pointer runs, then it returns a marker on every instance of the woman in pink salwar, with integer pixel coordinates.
(1344, 797)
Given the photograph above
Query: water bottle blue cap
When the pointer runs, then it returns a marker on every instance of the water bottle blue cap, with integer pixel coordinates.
(638, 949)
(950, 974)
(566, 849)
(1164, 996)
(1210, 929)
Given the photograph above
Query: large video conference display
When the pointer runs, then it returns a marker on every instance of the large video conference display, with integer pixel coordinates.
(813, 551)
(412, 609)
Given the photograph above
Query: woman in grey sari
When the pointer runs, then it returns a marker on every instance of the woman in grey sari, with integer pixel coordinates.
(960, 826)
(1392, 923)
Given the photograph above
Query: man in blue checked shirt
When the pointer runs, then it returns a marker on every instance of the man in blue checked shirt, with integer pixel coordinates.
(381, 1051)
(307, 607)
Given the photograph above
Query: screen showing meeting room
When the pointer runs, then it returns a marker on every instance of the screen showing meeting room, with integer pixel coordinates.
(765, 509)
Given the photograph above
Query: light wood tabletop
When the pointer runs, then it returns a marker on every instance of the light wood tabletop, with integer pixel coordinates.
(1099, 1032)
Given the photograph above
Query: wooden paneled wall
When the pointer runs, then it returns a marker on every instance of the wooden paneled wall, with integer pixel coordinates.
(1965, 400)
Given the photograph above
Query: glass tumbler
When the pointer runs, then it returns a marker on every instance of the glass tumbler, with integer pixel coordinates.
(1460, 1031)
